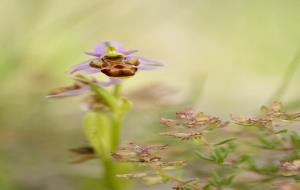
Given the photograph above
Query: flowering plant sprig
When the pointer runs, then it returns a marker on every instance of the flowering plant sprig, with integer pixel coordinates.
(158, 169)
(106, 108)
(238, 148)
(225, 163)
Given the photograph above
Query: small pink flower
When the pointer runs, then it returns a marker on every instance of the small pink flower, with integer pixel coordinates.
(113, 60)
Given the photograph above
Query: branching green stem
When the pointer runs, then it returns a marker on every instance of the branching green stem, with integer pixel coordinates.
(114, 102)
(286, 78)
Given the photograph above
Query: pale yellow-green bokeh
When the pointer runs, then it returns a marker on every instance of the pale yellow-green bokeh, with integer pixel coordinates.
(242, 48)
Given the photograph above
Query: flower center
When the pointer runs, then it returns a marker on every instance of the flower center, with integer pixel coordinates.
(111, 51)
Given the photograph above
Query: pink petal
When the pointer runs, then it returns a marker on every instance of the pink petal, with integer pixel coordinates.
(147, 61)
(80, 66)
(101, 47)
(93, 54)
(71, 92)
(90, 71)
(128, 52)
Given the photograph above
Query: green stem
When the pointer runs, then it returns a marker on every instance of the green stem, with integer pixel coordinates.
(108, 99)
(109, 165)
(117, 90)
(116, 120)
(109, 175)
(116, 132)
(178, 180)
(110, 169)
(112, 100)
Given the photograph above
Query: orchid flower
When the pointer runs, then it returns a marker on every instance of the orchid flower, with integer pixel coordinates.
(112, 59)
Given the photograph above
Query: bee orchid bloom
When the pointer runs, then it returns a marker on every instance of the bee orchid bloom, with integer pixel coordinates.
(80, 86)
(113, 60)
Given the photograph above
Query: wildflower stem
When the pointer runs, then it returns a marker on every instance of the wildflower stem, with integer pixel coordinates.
(206, 143)
(116, 131)
(116, 119)
(117, 90)
(174, 178)
(115, 103)
(110, 172)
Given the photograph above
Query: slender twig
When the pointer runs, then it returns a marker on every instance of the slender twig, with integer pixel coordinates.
(176, 179)
(288, 75)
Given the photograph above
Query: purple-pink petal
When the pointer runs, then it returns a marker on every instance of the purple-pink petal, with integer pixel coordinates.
(128, 52)
(93, 54)
(147, 61)
(90, 71)
(101, 47)
(80, 66)
(71, 92)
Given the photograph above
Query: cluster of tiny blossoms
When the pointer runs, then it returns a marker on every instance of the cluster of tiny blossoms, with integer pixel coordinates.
(270, 115)
(191, 125)
(233, 158)
(158, 170)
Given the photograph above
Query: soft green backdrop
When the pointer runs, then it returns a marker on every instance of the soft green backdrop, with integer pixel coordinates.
(239, 49)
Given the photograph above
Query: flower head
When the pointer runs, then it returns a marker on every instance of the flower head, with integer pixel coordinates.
(191, 125)
(269, 118)
(113, 60)
(138, 153)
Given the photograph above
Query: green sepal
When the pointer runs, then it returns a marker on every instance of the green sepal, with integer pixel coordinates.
(123, 107)
(106, 97)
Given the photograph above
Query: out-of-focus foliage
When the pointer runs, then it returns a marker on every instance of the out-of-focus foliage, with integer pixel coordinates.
(244, 164)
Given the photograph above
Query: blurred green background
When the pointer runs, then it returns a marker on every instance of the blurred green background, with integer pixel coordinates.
(221, 57)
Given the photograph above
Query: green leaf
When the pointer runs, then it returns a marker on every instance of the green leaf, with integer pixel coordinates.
(124, 106)
(164, 177)
(225, 141)
(295, 139)
(215, 181)
(266, 143)
(219, 181)
(281, 131)
(268, 169)
(206, 187)
(246, 159)
(228, 181)
(202, 156)
(219, 154)
(97, 128)
(153, 180)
